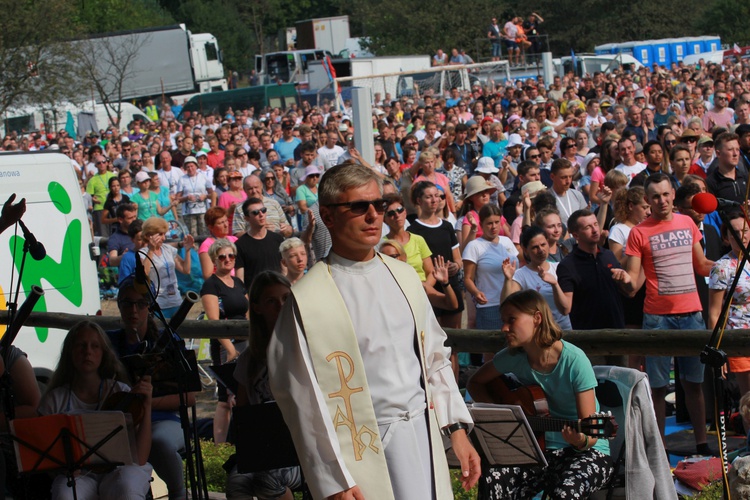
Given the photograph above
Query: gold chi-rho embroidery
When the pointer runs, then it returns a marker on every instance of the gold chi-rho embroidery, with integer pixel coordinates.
(346, 417)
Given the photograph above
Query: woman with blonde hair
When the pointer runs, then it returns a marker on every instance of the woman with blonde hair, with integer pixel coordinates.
(161, 262)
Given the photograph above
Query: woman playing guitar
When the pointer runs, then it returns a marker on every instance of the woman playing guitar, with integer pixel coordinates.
(578, 464)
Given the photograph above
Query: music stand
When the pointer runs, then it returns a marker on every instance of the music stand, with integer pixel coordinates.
(502, 436)
(225, 374)
(164, 374)
(68, 451)
(263, 439)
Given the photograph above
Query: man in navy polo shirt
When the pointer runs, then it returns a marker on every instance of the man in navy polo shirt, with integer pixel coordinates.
(585, 276)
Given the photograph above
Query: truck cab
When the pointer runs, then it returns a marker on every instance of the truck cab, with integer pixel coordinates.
(207, 57)
(289, 66)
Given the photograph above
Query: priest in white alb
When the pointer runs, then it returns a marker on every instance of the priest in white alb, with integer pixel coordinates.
(358, 365)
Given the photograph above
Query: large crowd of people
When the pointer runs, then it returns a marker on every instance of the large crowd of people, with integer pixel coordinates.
(530, 205)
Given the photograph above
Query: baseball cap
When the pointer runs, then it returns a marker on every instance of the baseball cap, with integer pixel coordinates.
(141, 176)
(190, 159)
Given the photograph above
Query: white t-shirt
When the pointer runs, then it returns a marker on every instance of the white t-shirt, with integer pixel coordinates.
(330, 156)
(170, 179)
(511, 30)
(631, 171)
(197, 186)
(619, 234)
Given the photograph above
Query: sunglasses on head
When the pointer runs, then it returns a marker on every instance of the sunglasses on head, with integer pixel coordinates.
(259, 211)
(395, 212)
(224, 257)
(362, 206)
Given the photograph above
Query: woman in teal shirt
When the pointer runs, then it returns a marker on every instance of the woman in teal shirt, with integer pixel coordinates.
(578, 465)
(147, 201)
(307, 194)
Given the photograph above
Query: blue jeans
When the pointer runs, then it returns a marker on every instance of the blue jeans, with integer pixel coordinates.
(658, 367)
(497, 49)
(167, 441)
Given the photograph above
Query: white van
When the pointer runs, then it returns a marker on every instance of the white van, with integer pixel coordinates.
(55, 214)
(37, 119)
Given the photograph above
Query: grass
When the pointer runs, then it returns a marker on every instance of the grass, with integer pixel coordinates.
(215, 455)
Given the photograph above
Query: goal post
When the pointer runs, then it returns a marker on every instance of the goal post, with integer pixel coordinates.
(436, 81)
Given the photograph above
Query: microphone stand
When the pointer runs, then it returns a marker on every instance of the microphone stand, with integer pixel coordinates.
(171, 345)
(16, 319)
(716, 358)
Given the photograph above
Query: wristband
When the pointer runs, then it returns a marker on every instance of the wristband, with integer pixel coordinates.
(450, 429)
(584, 447)
(447, 283)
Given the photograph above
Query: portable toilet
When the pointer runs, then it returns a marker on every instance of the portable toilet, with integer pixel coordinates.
(626, 48)
(693, 45)
(660, 53)
(644, 52)
(677, 50)
(606, 48)
(711, 43)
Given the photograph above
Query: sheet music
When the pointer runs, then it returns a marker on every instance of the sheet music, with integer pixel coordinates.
(92, 427)
(503, 436)
(89, 427)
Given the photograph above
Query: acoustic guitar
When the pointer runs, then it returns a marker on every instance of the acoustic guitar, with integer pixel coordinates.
(532, 400)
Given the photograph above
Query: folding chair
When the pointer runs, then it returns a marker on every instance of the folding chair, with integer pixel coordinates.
(626, 393)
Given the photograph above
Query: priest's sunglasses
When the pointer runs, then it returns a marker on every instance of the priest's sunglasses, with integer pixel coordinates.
(360, 207)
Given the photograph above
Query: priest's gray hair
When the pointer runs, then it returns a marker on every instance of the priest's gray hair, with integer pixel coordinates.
(344, 177)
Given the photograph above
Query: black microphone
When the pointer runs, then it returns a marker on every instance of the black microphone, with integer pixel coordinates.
(36, 249)
(141, 281)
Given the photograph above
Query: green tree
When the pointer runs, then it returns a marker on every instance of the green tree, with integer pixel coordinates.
(729, 19)
(105, 16)
(221, 19)
(36, 69)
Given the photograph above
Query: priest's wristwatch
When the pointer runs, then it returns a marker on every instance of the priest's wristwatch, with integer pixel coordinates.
(450, 429)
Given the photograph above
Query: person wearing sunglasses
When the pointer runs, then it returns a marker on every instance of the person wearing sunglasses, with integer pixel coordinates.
(258, 247)
(721, 115)
(321, 376)
(223, 297)
(418, 254)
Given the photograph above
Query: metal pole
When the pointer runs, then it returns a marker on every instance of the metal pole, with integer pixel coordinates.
(362, 111)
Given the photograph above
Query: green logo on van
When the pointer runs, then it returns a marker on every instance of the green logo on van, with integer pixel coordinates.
(64, 276)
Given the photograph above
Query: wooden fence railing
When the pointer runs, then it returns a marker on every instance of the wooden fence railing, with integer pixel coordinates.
(593, 342)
